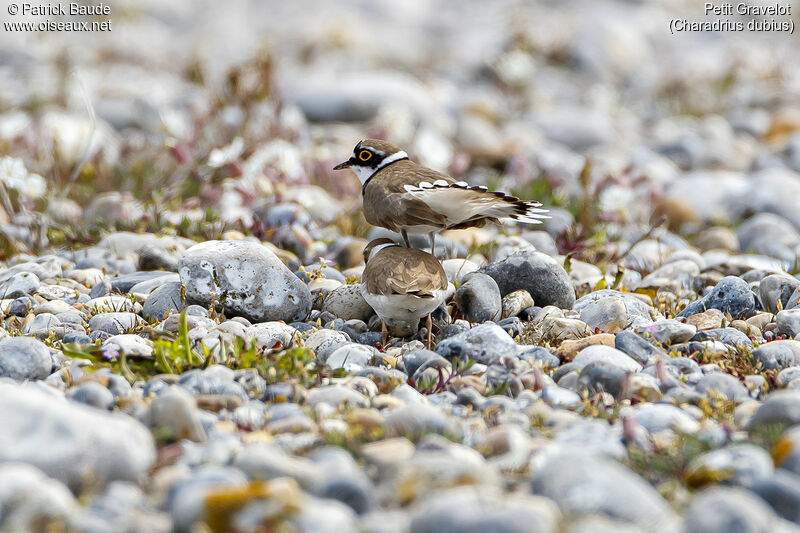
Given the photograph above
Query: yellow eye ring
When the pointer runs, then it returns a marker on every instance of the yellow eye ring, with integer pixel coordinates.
(364, 155)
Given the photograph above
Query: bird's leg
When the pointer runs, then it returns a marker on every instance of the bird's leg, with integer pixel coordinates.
(432, 237)
(405, 237)
(384, 333)
(429, 325)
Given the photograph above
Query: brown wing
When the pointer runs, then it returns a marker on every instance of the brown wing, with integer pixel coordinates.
(396, 270)
(387, 204)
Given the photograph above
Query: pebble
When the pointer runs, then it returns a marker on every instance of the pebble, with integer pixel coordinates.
(19, 285)
(112, 446)
(779, 407)
(731, 295)
(23, 358)
(174, 413)
(115, 323)
(775, 290)
(778, 354)
(670, 331)
(484, 343)
(539, 274)
(608, 355)
(346, 302)
(636, 347)
(478, 299)
(724, 384)
(326, 341)
(31, 498)
(788, 322)
(724, 509)
(469, 509)
(248, 277)
(615, 490)
(164, 300)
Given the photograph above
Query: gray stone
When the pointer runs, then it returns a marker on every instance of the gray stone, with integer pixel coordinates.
(163, 301)
(42, 321)
(724, 510)
(266, 461)
(24, 358)
(124, 283)
(779, 407)
(560, 397)
(634, 306)
(782, 492)
(20, 284)
(346, 302)
(470, 510)
(484, 343)
(606, 354)
(739, 464)
(352, 357)
(585, 484)
(272, 335)
(94, 394)
(729, 336)
(30, 499)
(115, 323)
(419, 360)
(343, 479)
(246, 278)
(660, 417)
(415, 420)
(325, 341)
(174, 411)
(787, 375)
(149, 285)
(478, 299)
(606, 315)
(670, 331)
(601, 376)
(788, 322)
(186, 497)
(336, 396)
(130, 344)
(777, 288)
(778, 354)
(539, 274)
(538, 354)
(112, 446)
(635, 346)
(725, 384)
(769, 234)
(731, 295)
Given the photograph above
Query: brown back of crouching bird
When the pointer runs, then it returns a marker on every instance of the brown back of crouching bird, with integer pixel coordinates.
(396, 270)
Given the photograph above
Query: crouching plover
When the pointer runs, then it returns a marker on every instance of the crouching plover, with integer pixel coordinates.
(404, 196)
(402, 285)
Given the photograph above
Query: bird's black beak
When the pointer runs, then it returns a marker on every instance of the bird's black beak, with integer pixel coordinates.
(346, 164)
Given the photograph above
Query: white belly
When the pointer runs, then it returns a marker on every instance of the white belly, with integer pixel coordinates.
(403, 307)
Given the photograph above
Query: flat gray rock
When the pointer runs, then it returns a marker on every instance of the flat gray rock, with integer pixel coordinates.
(245, 278)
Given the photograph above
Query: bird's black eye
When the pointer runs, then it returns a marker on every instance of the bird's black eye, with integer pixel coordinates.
(364, 155)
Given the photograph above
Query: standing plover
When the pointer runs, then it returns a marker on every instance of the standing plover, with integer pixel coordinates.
(404, 196)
